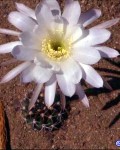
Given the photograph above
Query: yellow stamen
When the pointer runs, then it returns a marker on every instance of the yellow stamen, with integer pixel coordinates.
(55, 47)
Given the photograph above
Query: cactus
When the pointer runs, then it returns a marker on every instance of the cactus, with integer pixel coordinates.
(40, 117)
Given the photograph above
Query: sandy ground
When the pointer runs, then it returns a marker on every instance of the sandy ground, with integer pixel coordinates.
(95, 128)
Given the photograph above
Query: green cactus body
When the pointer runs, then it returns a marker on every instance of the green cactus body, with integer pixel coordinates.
(40, 117)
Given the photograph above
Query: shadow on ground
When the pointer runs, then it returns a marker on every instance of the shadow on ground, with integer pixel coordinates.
(114, 82)
(8, 146)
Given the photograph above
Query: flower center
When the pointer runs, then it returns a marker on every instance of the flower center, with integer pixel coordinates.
(56, 48)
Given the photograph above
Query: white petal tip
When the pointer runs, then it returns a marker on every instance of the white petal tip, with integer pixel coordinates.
(98, 12)
(117, 54)
(70, 95)
(100, 84)
(16, 3)
(30, 107)
(114, 54)
(108, 23)
(116, 20)
(3, 80)
(85, 103)
(48, 105)
(19, 5)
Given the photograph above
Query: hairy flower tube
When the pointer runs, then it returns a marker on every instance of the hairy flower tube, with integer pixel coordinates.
(57, 49)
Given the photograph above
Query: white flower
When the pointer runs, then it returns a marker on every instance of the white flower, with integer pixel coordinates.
(57, 49)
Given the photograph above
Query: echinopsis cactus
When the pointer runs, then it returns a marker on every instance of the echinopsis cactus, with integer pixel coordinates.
(56, 49)
(42, 118)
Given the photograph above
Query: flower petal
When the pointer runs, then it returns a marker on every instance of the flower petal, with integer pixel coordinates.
(25, 10)
(59, 24)
(54, 6)
(33, 39)
(91, 76)
(55, 67)
(94, 37)
(72, 71)
(14, 72)
(35, 95)
(30, 40)
(66, 86)
(82, 96)
(50, 90)
(36, 73)
(40, 60)
(107, 24)
(76, 34)
(44, 14)
(41, 75)
(24, 53)
(73, 32)
(89, 17)
(9, 32)
(72, 12)
(20, 21)
(107, 52)
(27, 75)
(86, 55)
(7, 48)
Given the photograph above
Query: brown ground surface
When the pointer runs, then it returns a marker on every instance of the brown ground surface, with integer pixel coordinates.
(85, 128)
